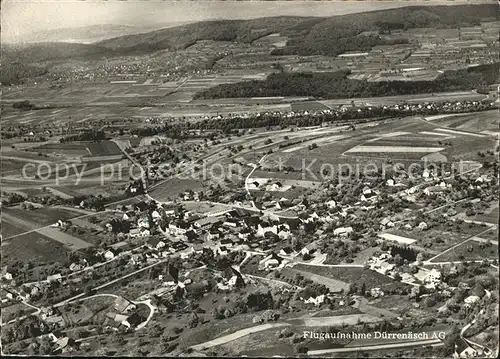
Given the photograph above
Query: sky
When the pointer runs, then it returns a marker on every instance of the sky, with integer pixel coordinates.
(20, 17)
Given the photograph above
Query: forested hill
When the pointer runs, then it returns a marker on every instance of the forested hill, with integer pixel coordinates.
(323, 35)
(308, 35)
(337, 85)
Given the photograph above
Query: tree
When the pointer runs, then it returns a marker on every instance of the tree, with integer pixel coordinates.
(193, 320)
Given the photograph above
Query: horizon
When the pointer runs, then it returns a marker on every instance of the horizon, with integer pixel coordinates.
(21, 19)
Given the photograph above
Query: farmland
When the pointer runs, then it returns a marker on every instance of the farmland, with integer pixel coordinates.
(33, 247)
(358, 276)
(468, 251)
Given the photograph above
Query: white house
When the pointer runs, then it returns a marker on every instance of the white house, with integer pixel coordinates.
(433, 190)
(331, 204)
(310, 248)
(422, 226)
(316, 301)
(75, 267)
(470, 300)
(376, 292)
(433, 277)
(342, 231)
(156, 216)
(108, 255)
(143, 223)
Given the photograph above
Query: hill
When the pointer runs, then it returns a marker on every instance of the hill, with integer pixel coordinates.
(92, 32)
(180, 37)
(47, 51)
(309, 35)
(338, 34)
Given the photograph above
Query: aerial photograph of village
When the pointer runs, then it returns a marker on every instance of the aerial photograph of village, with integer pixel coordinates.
(250, 179)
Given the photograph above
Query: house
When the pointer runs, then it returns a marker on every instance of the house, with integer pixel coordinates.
(389, 182)
(284, 234)
(156, 216)
(432, 277)
(8, 276)
(222, 250)
(235, 278)
(143, 222)
(271, 262)
(464, 350)
(287, 251)
(433, 190)
(75, 267)
(54, 277)
(155, 243)
(471, 300)
(56, 320)
(109, 255)
(261, 231)
(123, 305)
(342, 231)
(65, 345)
(386, 223)
(331, 204)
(422, 226)
(309, 249)
(376, 292)
(320, 299)
(133, 320)
(226, 242)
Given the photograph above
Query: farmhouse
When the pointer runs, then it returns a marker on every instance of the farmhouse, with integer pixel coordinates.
(123, 305)
(433, 190)
(463, 350)
(342, 231)
(309, 249)
(109, 255)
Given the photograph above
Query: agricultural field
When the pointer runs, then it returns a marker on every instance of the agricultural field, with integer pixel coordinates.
(437, 238)
(356, 276)
(171, 189)
(474, 122)
(33, 247)
(470, 250)
(42, 216)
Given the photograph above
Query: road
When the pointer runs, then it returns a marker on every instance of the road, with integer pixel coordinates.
(486, 350)
(420, 343)
(112, 282)
(255, 166)
(308, 322)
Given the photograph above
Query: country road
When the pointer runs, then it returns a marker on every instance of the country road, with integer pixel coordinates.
(350, 319)
(420, 343)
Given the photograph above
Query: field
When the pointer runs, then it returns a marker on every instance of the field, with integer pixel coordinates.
(334, 285)
(436, 239)
(33, 247)
(356, 276)
(470, 250)
(171, 189)
(42, 216)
